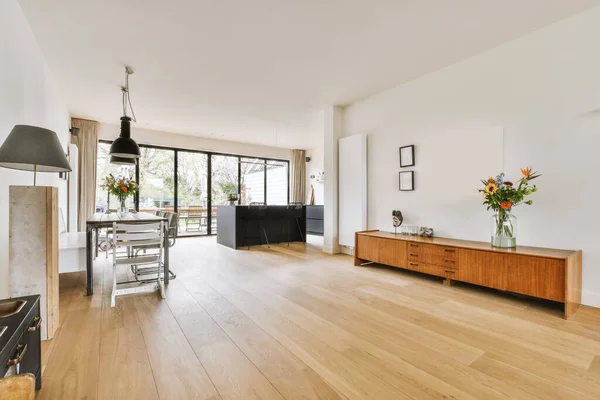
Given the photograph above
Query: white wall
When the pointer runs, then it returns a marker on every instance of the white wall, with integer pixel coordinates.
(541, 89)
(332, 132)
(313, 167)
(28, 96)
(158, 138)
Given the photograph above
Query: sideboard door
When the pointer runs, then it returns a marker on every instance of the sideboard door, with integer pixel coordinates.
(537, 277)
(367, 248)
(392, 252)
(483, 268)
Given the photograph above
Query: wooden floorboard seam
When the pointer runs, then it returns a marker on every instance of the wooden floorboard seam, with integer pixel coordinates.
(285, 322)
(265, 332)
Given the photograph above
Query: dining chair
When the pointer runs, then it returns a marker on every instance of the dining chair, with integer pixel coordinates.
(138, 234)
(139, 272)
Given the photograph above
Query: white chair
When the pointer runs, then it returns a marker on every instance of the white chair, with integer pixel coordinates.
(141, 234)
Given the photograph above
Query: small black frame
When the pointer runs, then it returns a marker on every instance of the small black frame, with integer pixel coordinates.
(408, 178)
(409, 160)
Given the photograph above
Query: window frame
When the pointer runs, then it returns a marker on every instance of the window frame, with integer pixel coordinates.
(209, 154)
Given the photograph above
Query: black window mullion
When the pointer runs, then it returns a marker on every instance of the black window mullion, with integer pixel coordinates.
(209, 197)
(136, 197)
(239, 179)
(265, 180)
(175, 179)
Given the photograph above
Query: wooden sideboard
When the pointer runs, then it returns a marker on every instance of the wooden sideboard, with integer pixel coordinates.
(538, 272)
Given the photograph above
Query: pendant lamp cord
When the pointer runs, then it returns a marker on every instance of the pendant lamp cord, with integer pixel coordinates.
(127, 96)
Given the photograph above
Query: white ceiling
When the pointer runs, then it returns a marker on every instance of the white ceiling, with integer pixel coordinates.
(260, 71)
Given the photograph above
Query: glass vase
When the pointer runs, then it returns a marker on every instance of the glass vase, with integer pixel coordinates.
(504, 229)
(123, 208)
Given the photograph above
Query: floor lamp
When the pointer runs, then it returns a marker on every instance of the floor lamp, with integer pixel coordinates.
(33, 219)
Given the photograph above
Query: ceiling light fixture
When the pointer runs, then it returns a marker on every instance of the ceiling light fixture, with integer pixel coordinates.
(122, 160)
(124, 146)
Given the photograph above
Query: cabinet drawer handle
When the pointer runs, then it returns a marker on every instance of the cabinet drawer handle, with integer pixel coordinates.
(414, 245)
(414, 265)
(21, 350)
(450, 272)
(413, 255)
(449, 251)
(450, 261)
(37, 326)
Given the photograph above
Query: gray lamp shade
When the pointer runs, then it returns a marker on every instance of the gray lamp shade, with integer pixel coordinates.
(124, 146)
(122, 160)
(31, 148)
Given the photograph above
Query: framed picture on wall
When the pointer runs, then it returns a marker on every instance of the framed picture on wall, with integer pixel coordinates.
(407, 156)
(407, 181)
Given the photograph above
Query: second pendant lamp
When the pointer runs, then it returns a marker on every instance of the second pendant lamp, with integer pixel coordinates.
(124, 146)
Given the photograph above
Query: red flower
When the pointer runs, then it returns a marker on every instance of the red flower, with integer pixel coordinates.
(506, 205)
(508, 183)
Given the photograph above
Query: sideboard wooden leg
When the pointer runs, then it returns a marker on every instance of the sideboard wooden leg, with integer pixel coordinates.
(448, 282)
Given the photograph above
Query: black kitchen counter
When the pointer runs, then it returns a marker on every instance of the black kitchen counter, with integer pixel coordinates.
(22, 331)
(236, 228)
(16, 323)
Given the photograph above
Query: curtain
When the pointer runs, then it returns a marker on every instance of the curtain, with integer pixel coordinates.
(298, 176)
(87, 143)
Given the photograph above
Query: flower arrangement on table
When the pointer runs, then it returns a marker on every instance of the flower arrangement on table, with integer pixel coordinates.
(120, 187)
(502, 196)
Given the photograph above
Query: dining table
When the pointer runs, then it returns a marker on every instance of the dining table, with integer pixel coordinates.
(104, 220)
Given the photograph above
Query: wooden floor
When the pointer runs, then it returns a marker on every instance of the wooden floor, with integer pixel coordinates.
(291, 322)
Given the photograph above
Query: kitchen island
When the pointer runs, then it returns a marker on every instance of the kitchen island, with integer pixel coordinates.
(241, 226)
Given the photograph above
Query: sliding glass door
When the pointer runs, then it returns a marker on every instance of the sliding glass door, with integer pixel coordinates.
(277, 182)
(104, 201)
(252, 180)
(224, 181)
(157, 180)
(192, 193)
(194, 183)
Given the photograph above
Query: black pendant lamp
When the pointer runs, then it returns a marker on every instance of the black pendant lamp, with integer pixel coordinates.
(124, 146)
(122, 161)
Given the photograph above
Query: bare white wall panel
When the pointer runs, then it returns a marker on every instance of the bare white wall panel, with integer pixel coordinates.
(352, 189)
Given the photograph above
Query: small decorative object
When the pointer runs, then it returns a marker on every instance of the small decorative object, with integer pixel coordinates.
(320, 177)
(407, 181)
(407, 156)
(311, 199)
(232, 198)
(502, 196)
(425, 232)
(121, 188)
(397, 219)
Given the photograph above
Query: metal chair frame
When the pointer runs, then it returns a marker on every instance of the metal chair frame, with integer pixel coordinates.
(141, 234)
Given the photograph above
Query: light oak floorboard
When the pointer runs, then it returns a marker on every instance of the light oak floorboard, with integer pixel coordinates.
(292, 322)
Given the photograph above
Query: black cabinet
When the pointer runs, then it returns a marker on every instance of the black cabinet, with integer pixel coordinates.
(314, 220)
(20, 345)
(240, 226)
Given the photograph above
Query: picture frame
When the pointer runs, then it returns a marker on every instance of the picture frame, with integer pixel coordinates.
(407, 156)
(406, 181)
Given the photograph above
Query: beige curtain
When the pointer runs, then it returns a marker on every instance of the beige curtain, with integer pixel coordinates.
(87, 143)
(298, 176)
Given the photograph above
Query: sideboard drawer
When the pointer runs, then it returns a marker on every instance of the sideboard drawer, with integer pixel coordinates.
(443, 260)
(431, 269)
(434, 250)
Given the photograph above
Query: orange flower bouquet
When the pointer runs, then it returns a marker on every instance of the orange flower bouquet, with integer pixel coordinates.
(121, 188)
(502, 196)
